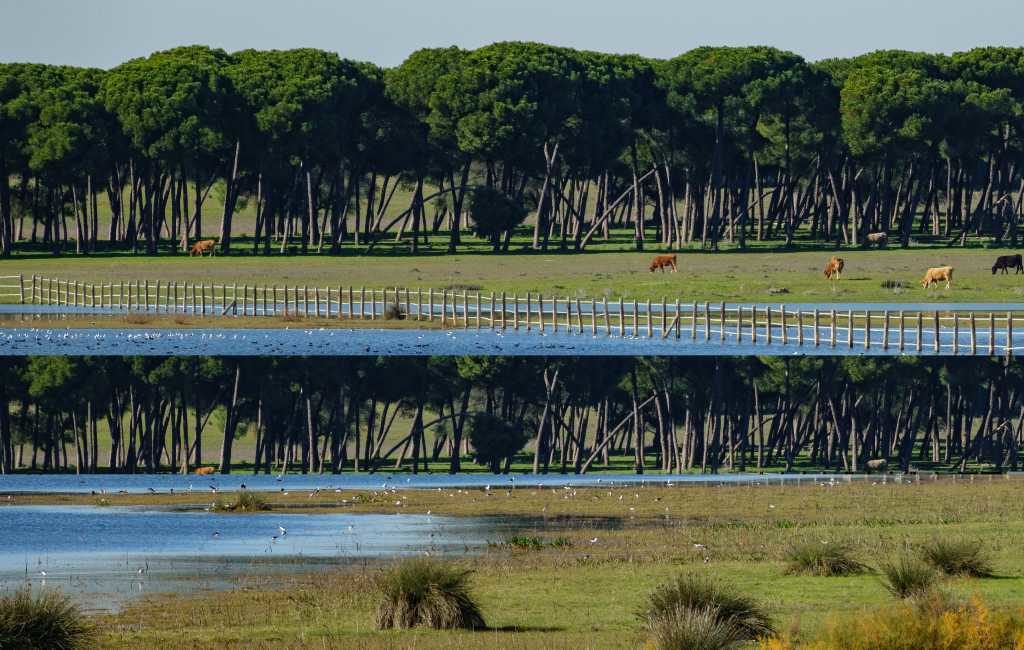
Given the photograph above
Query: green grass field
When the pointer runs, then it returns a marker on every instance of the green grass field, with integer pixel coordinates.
(585, 595)
(758, 274)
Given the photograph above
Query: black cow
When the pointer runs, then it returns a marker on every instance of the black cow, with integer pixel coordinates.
(1005, 262)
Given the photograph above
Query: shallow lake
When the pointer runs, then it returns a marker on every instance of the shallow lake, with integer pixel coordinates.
(104, 555)
(164, 483)
(373, 342)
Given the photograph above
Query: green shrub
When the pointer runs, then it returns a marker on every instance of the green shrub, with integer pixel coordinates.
(685, 628)
(907, 576)
(957, 557)
(815, 558)
(426, 592)
(244, 501)
(699, 594)
(495, 440)
(525, 542)
(47, 619)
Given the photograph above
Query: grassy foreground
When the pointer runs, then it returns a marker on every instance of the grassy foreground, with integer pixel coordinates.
(624, 541)
(757, 274)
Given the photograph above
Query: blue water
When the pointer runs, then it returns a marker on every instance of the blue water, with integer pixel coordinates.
(373, 342)
(203, 486)
(104, 555)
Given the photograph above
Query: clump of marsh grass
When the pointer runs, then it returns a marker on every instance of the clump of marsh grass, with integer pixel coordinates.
(957, 557)
(906, 577)
(244, 501)
(685, 628)
(426, 592)
(525, 542)
(533, 543)
(47, 619)
(701, 597)
(821, 559)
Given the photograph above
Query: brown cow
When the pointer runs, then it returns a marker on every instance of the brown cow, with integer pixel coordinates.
(203, 471)
(938, 274)
(203, 246)
(879, 238)
(1005, 262)
(834, 268)
(663, 261)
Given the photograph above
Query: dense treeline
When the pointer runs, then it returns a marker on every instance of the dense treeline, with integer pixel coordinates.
(719, 143)
(558, 415)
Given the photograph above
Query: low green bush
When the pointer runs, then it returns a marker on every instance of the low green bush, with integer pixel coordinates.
(46, 619)
(907, 576)
(429, 593)
(819, 559)
(958, 557)
(699, 594)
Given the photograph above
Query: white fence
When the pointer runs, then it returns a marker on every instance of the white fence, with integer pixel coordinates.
(956, 331)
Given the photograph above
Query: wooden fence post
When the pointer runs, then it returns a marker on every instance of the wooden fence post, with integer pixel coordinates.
(504, 311)
(974, 338)
(782, 317)
(768, 324)
(1009, 335)
(800, 326)
(991, 334)
(21, 288)
(956, 333)
(920, 332)
(867, 329)
(849, 328)
(817, 339)
(935, 343)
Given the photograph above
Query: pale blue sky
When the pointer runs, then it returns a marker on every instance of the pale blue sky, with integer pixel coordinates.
(105, 32)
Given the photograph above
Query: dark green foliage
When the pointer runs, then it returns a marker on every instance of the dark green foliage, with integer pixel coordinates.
(47, 620)
(958, 557)
(906, 576)
(424, 592)
(703, 595)
(495, 214)
(495, 440)
(822, 559)
(244, 501)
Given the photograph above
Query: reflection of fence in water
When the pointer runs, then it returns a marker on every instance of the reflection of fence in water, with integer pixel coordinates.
(949, 330)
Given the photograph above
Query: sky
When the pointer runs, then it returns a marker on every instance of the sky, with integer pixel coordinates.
(103, 33)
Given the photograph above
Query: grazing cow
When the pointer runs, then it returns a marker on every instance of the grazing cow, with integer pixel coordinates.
(834, 268)
(1005, 262)
(663, 261)
(938, 274)
(878, 238)
(203, 246)
(203, 471)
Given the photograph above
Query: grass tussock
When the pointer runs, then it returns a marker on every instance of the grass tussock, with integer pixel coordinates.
(244, 501)
(933, 621)
(424, 592)
(534, 543)
(907, 577)
(958, 558)
(47, 619)
(822, 559)
(701, 596)
(685, 628)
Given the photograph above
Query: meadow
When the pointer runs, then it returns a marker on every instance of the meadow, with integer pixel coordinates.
(615, 269)
(616, 545)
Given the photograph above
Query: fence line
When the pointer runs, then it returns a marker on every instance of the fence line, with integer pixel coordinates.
(760, 324)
